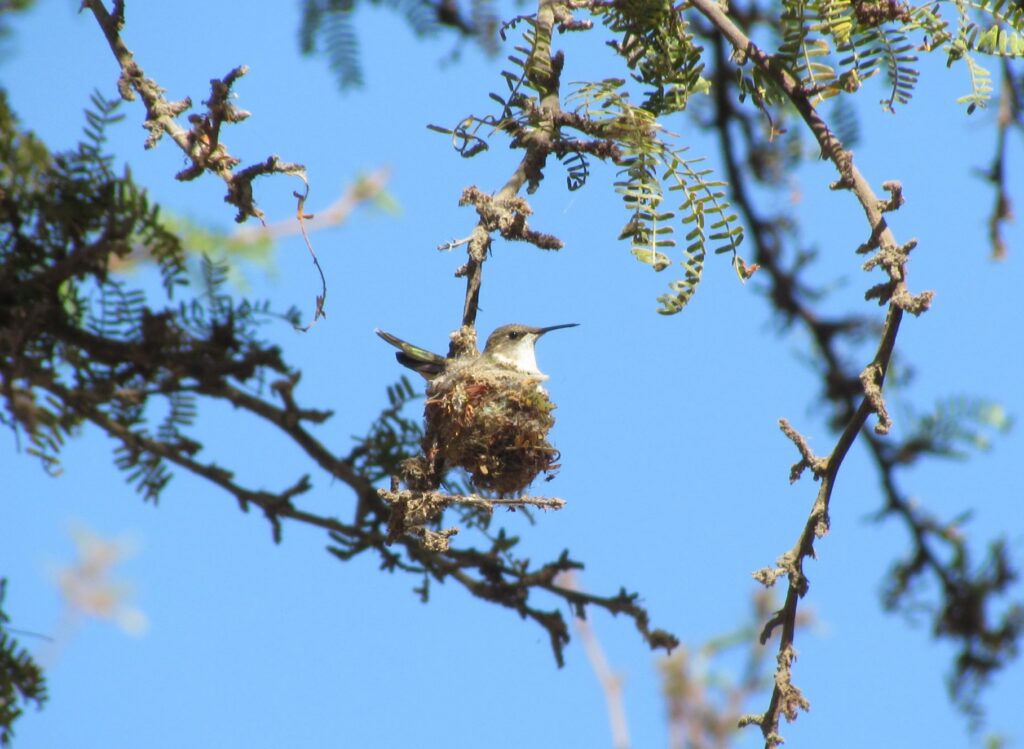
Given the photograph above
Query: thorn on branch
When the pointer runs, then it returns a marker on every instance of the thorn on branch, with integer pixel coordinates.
(769, 626)
(451, 244)
(874, 241)
(808, 459)
(768, 575)
(275, 523)
(274, 504)
(750, 719)
(117, 13)
(126, 92)
(891, 259)
(240, 185)
(883, 292)
(871, 380)
(914, 304)
(158, 110)
(543, 241)
(221, 109)
(284, 388)
(791, 699)
(792, 561)
(895, 190)
(844, 165)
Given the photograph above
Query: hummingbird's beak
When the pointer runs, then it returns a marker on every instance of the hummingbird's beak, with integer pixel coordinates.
(542, 331)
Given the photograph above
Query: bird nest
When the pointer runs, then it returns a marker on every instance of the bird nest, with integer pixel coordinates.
(493, 422)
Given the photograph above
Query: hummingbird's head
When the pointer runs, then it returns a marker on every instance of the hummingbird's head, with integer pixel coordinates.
(513, 345)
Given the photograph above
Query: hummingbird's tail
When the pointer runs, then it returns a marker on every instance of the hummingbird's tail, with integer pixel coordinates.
(427, 363)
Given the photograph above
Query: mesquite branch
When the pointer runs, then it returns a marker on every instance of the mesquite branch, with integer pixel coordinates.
(889, 255)
(202, 142)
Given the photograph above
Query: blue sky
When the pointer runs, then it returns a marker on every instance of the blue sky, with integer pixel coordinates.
(674, 470)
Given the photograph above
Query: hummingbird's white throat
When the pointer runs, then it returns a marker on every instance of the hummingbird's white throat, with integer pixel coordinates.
(522, 355)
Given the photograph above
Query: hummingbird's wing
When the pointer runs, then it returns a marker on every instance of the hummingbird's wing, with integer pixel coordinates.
(427, 363)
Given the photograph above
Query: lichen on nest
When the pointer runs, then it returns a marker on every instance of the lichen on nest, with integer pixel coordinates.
(493, 421)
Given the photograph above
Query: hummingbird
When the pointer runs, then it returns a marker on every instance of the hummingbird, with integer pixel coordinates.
(508, 346)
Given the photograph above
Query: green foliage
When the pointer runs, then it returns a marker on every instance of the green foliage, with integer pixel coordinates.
(22, 156)
(803, 49)
(814, 33)
(21, 678)
(77, 343)
(630, 136)
(236, 251)
(10, 6)
(986, 636)
(655, 41)
(981, 84)
(648, 163)
(954, 426)
(515, 115)
(998, 30)
(844, 121)
(878, 48)
(392, 438)
(327, 25)
(833, 46)
(961, 44)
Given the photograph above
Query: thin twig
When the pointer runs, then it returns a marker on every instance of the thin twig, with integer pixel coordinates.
(301, 216)
(473, 500)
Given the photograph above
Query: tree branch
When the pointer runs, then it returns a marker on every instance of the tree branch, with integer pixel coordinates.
(503, 212)
(786, 698)
(201, 143)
